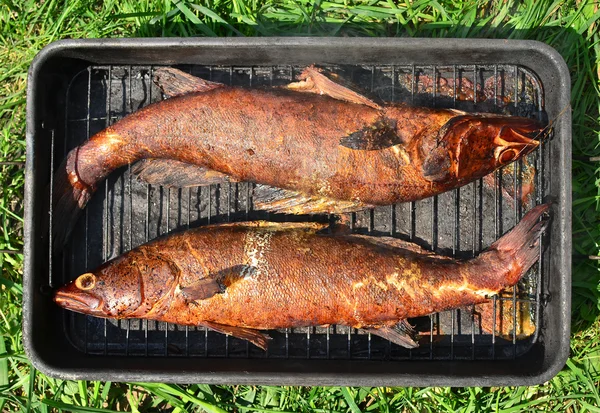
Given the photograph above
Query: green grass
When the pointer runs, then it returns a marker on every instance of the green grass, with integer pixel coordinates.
(571, 27)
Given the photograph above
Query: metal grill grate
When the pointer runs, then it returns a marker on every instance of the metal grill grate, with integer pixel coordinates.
(125, 213)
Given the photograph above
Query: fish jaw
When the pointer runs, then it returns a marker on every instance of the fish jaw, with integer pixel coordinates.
(493, 142)
(79, 301)
(469, 147)
(516, 140)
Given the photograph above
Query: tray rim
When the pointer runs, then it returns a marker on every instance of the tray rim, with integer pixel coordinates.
(562, 213)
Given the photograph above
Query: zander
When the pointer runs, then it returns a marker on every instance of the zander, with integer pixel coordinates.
(315, 146)
(243, 277)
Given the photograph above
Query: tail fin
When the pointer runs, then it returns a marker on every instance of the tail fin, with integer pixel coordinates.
(70, 194)
(522, 241)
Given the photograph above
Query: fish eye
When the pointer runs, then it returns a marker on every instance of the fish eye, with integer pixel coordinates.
(86, 281)
(508, 155)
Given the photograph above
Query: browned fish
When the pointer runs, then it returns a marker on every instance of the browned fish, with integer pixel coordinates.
(328, 148)
(244, 277)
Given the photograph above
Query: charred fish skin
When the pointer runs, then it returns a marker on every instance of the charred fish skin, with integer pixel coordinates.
(331, 149)
(244, 277)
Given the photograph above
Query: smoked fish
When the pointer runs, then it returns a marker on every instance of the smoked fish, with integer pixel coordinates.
(244, 277)
(315, 146)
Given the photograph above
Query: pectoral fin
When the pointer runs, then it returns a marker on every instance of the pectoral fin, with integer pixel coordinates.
(173, 82)
(201, 290)
(175, 174)
(258, 339)
(216, 282)
(277, 200)
(379, 135)
(312, 80)
(401, 334)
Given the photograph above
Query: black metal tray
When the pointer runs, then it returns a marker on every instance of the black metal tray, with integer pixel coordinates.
(77, 88)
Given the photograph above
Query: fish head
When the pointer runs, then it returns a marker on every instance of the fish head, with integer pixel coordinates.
(127, 286)
(78, 296)
(469, 147)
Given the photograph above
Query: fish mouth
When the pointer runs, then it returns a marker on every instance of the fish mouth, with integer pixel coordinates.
(79, 301)
(513, 142)
(511, 136)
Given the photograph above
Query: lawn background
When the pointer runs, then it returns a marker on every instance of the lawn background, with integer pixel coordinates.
(570, 26)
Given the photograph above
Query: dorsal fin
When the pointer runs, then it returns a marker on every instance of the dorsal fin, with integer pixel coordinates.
(390, 242)
(174, 82)
(312, 80)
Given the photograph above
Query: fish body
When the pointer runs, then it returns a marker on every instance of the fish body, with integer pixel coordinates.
(244, 277)
(274, 137)
(327, 148)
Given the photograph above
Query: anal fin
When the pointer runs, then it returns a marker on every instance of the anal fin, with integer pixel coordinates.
(176, 174)
(254, 336)
(401, 334)
(174, 82)
(277, 200)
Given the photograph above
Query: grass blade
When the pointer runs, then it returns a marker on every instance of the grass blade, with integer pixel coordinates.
(16, 289)
(82, 392)
(350, 400)
(3, 363)
(31, 392)
(183, 8)
(134, 15)
(105, 390)
(208, 12)
(75, 409)
(3, 371)
(175, 391)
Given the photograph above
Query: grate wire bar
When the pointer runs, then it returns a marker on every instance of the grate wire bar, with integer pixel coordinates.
(126, 213)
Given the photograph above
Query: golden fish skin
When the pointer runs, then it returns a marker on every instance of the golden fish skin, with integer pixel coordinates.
(243, 277)
(327, 148)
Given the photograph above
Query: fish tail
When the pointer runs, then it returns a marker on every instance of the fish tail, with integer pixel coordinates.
(77, 177)
(70, 194)
(520, 246)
